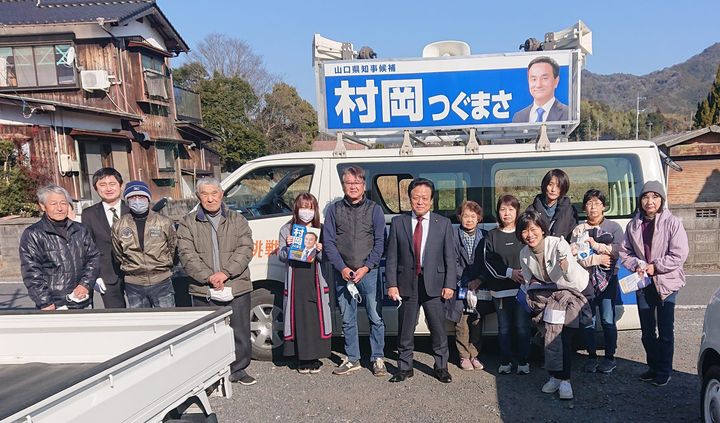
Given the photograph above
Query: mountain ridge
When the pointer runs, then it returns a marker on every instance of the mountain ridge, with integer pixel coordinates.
(675, 89)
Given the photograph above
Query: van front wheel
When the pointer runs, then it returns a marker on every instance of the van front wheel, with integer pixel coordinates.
(266, 322)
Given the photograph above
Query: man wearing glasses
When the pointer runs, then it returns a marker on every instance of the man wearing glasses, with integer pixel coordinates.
(354, 237)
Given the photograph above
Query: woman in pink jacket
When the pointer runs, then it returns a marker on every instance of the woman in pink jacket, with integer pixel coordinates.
(656, 246)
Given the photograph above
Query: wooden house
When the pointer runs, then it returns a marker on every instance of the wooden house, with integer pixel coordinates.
(698, 153)
(85, 85)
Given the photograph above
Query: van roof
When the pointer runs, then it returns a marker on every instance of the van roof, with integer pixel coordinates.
(460, 150)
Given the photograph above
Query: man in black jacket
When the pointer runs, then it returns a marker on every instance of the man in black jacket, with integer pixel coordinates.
(98, 219)
(58, 258)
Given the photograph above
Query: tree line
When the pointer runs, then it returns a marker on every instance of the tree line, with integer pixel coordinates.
(708, 110)
(251, 109)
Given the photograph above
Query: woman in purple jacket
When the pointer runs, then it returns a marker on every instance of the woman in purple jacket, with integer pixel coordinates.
(656, 246)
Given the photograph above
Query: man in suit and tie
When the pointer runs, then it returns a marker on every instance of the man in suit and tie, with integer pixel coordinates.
(420, 269)
(543, 79)
(99, 218)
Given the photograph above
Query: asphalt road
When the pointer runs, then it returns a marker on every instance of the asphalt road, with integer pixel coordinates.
(282, 394)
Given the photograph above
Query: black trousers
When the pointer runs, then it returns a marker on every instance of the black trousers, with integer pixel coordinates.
(114, 296)
(407, 320)
(240, 322)
(567, 336)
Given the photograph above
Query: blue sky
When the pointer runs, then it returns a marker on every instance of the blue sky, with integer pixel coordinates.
(635, 37)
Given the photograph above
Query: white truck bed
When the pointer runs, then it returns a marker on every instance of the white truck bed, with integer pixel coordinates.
(100, 365)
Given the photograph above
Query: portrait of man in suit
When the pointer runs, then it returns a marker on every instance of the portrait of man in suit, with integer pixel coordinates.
(420, 270)
(99, 218)
(310, 251)
(543, 79)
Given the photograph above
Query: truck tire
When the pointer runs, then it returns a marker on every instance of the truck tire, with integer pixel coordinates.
(266, 321)
(710, 399)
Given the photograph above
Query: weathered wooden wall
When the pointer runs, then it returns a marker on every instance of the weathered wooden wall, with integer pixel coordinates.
(700, 179)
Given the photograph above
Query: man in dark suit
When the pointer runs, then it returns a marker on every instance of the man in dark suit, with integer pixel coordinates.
(98, 218)
(543, 79)
(420, 269)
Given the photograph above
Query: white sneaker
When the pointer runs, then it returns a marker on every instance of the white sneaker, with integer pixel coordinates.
(552, 385)
(565, 389)
(523, 369)
(505, 369)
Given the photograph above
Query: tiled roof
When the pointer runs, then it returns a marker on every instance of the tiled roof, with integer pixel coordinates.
(36, 12)
(670, 140)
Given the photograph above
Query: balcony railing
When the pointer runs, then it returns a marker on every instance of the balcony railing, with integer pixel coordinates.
(187, 105)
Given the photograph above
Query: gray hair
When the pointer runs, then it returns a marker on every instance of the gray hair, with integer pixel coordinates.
(207, 181)
(43, 193)
(355, 171)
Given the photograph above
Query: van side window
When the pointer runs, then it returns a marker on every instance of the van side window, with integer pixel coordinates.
(454, 183)
(616, 176)
(392, 192)
(269, 191)
(485, 179)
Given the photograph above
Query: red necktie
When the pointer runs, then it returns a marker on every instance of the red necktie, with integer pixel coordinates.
(417, 244)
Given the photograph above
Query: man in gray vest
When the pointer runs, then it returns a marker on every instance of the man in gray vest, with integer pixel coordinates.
(354, 236)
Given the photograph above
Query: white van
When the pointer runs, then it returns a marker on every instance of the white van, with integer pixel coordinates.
(264, 189)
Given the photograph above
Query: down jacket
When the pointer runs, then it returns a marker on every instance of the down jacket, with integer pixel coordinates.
(53, 266)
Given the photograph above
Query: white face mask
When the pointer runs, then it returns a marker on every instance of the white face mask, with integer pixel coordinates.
(138, 205)
(306, 215)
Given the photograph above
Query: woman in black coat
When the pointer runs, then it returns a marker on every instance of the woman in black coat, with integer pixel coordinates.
(553, 204)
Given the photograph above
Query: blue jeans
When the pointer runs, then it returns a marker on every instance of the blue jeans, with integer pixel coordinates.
(142, 296)
(605, 302)
(657, 321)
(370, 292)
(511, 315)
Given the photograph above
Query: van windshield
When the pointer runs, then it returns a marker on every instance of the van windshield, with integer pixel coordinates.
(269, 191)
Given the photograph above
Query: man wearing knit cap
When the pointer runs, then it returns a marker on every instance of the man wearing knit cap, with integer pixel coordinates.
(144, 244)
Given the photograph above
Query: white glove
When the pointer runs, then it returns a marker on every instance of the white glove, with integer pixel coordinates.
(471, 298)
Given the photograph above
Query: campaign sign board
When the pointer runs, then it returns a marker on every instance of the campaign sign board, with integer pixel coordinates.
(444, 92)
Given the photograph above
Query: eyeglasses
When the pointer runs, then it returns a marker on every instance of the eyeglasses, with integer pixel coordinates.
(591, 204)
(353, 183)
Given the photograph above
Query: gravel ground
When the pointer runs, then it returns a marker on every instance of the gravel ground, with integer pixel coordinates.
(282, 394)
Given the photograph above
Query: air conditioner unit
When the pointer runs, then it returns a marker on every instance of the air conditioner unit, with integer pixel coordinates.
(67, 164)
(92, 80)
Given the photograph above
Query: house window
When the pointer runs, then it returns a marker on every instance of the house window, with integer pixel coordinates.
(37, 66)
(166, 155)
(156, 77)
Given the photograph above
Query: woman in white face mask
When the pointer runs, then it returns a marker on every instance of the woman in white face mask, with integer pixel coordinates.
(306, 306)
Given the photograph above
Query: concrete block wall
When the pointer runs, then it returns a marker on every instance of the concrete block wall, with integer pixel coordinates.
(703, 234)
(10, 232)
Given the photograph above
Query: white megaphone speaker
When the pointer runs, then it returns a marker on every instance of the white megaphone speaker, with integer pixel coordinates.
(327, 49)
(577, 36)
(446, 48)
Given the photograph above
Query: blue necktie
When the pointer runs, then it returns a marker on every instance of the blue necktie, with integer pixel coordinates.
(540, 113)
